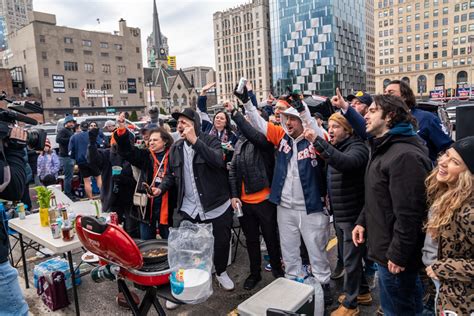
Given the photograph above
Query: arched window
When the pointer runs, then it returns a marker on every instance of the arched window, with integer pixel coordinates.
(185, 100)
(175, 100)
(386, 82)
(462, 77)
(407, 80)
(439, 80)
(421, 84)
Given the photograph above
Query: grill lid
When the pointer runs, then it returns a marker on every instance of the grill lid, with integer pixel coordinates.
(108, 241)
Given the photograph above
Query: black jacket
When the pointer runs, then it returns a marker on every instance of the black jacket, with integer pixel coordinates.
(395, 201)
(209, 170)
(63, 137)
(346, 168)
(253, 160)
(104, 160)
(13, 191)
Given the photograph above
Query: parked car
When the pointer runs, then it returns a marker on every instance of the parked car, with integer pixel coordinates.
(451, 109)
(439, 109)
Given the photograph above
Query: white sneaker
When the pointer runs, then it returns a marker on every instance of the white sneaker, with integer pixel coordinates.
(170, 305)
(225, 282)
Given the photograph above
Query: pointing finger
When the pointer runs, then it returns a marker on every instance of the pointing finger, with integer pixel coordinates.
(338, 93)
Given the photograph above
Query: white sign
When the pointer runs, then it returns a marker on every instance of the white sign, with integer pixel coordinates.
(92, 93)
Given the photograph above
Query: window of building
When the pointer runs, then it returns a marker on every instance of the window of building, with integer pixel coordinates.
(87, 43)
(68, 40)
(417, 67)
(435, 34)
(426, 14)
(455, 51)
(426, 35)
(462, 51)
(435, 55)
(409, 38)
(70, 66)
(42, 39)
(435, 12)
(462, 40)
(425, 66)
(417, 57)
(69, 50)
(74, 102)
(445, 21)
(445, 10)
(45, 72)
(417, 37)
(408, 18)
(417, 17)
(88, 52)
(89, 67)
(107, 85)
(471, 27)
(104, 45)
(106, 68)
(426, 56)
(426, 25)
(90, 84)
(408, 8)
(456, 19)
(48, 93)
(137, 49)
(72, 83)
(104, 54)
(435, 23)
(121, 69)
(444, 63)
(123, 85)
(400, 59)
(408, 49)
(139, 66)
(463, 28)
(417, 26)
(118, 58)
(118, 46)
(444, 32)
(44, 55)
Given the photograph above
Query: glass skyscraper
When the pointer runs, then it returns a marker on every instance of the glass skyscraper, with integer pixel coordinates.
(318, 45)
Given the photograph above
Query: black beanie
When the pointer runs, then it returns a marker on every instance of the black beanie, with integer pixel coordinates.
(465, 148)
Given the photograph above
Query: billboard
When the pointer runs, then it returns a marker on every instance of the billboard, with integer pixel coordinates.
(3, 34)
(437, 93)
(132, 85)
(172, 62)
(58, 84)
(463, 90)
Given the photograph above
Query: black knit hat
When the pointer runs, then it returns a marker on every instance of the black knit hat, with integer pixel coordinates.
(465, 148)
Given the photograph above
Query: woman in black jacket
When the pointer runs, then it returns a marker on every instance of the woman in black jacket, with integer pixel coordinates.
(116, 193)
(152, 162)
(250, 176)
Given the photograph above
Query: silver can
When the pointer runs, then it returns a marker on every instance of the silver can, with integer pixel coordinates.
(240, 87)
(238, 211)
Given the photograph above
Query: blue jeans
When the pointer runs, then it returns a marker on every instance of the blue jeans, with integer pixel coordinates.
(11, 298)
(148, 231)
(67, 164)
(400, 294)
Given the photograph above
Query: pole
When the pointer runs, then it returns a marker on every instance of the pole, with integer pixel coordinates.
(149, 86)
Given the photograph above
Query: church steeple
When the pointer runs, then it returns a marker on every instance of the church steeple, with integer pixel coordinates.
(159, 51)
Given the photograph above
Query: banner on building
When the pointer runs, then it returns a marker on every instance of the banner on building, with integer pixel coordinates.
(437, 93)
(172, 62)
(132, 85)
(58, 84)
(463, 90)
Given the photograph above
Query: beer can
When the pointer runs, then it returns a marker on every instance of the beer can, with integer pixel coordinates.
(55, 230)
(114, 218)
(21, 210)
(241, 85)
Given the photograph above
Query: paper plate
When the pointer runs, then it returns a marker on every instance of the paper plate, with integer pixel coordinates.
(89, 257)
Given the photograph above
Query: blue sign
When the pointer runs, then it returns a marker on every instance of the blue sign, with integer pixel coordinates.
(132, 85)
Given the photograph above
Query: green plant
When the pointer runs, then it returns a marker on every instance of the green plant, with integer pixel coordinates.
(44, 196)
(133, 117)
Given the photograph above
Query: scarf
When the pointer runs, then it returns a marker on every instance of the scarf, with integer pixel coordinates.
(224, 138)
(404, 129)
(164, 197)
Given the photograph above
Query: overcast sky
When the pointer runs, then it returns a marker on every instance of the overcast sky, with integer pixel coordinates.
(186, 23)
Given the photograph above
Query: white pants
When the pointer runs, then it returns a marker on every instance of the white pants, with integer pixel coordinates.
(314, 228)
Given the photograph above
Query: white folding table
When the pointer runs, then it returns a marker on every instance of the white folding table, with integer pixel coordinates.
(31, 228)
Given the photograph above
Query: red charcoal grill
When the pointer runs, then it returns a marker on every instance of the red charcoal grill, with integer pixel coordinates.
(114, 246)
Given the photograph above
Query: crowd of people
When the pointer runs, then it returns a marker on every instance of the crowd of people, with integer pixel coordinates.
(397, 188)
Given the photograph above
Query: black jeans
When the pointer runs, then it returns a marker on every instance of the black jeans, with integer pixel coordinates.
(221, 229)
(354, 279)
(261, 217)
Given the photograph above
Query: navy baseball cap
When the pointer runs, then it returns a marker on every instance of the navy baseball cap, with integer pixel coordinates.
(362, 96)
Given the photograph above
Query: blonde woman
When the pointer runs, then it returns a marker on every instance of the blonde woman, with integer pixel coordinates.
(449, 190)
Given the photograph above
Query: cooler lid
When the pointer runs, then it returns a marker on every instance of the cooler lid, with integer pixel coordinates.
(108, 241)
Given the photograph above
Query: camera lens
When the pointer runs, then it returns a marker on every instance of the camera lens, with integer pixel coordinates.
(36, 139)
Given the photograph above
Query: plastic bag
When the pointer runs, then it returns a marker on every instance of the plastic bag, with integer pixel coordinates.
(190, 253)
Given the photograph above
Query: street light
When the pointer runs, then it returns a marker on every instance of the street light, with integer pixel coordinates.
(149, 84)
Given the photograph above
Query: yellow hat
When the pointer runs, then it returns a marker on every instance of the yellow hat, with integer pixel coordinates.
(341, 120)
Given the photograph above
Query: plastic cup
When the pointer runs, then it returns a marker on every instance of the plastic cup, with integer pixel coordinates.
(116, 170)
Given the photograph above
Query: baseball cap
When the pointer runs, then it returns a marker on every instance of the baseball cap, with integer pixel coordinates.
(69, 118)
(362, 96)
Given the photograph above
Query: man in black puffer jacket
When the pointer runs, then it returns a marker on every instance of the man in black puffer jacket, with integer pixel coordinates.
(346, 158)
(250, 175)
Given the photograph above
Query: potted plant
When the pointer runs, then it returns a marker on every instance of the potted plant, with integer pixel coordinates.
(44, 201)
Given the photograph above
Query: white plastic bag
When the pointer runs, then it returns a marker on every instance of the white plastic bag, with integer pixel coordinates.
(190, 253)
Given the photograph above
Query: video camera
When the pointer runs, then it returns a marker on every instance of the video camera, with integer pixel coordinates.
(36, 138)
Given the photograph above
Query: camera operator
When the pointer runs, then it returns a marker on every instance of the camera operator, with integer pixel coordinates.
(13, 152)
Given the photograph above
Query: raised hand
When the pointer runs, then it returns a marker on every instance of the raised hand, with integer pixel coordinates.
(244, 96)
(207, 88)
(309, 134)
(338, 101)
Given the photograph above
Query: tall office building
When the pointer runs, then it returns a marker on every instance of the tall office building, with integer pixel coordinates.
(66, 68)
(318, 45)
(370, 46)
(242, 48)
(428, 44)
(13, 16)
